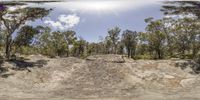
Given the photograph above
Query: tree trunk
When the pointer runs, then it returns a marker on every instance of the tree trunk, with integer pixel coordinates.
(67, 50)
(133, 53)
(194, 52)
(8, 47)
(159, 54)
(183, 52)
(128, 50)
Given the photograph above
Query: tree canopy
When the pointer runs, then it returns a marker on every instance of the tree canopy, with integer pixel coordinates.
(12, 20)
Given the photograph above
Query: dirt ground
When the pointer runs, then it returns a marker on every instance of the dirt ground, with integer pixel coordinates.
(100, 77)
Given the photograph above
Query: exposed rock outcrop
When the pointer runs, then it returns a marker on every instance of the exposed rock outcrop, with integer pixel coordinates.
(99, 76)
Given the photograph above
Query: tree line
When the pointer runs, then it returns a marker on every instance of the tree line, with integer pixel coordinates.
(169, 37)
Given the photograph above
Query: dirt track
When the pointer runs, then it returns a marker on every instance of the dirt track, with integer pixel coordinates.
(106, 77)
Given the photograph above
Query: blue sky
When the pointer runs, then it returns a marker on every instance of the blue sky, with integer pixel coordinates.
(91, 20)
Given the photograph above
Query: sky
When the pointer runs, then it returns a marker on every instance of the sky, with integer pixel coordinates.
(92, 18)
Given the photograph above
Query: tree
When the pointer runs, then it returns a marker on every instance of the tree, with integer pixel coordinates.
(69, 38)
(129, 38)
(108, 44)
(187, 23)
(79, 48)
(113, 35)
(167, 25)
(59, 43)
(12, 20)
(186, 35)
(156, 38)
(181, 8)
(43, 42)
(55, 43)
(92, 48)
(120, 48)
(143, 50)
(25, 36)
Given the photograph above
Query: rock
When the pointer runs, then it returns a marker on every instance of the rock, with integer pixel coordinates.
(189, 66)
(189, 70)
(187, 82)
(97, 76)
(107, 58)
(134, 80)
(8, 65)
(168, 76)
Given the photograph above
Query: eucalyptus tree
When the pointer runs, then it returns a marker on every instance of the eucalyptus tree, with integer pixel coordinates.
(113, 35)
(181, 8)
(186, 34)
(142, 46)
(186, 15)
(13, 19)
(43, 42)
(79, 48)
(155, 37)
(59, 43)
(166, 26)
(130, 39)
(120, 48)
(70, 38)
(108, 45)
(25, 36)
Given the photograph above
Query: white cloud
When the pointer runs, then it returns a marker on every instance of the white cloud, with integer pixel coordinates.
(54, 24)
(64, 22)
(70, 20)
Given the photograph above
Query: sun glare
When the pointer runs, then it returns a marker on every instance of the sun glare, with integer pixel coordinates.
(99, 5)
(94, 5)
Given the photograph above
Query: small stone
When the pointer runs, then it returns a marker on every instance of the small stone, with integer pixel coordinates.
(168, 76)
(187, 82)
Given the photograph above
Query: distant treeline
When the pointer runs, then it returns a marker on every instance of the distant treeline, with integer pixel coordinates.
(169, 37)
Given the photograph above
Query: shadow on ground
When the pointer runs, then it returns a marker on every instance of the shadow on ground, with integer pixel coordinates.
(2, 70)
(23, 65)
(195, 66)
(19, 64)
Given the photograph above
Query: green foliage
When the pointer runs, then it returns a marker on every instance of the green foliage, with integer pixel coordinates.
(70, 38)
(25, 36)
(27, 50)
(11, 21)
(113, 38)
(163, 38)
(55, 43)
(79, 48)
(181, 8)
(129, 38)
(186, 36)
(156, 38)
